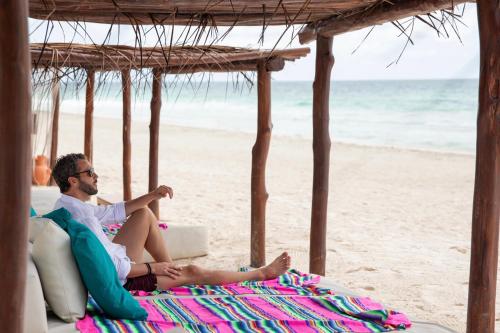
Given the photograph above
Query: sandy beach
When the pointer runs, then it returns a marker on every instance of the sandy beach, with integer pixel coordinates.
(399, 220)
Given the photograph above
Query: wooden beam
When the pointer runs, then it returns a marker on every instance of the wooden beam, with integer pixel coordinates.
(154, 133)
(274, 64)
(321, 152)
(89, 113)
(56, 101)
(127, 150)
(383, 12)
(15, 156)
(260, 150)
(486, 204)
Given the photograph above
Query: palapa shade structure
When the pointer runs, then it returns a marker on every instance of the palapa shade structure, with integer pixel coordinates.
(323, 20)
(248, 13)
(170, 60)
(235, 12)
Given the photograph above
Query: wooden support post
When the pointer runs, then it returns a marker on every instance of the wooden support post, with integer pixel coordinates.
(127, 151)
(89, 113)
(154, 133)
(55, 123)
(321, 151)
(486, 205)
(259, 157)
(15, 159)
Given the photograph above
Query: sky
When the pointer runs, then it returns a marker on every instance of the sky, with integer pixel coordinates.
(431, 56)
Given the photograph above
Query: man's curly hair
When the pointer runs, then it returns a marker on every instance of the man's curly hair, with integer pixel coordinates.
(66, 166)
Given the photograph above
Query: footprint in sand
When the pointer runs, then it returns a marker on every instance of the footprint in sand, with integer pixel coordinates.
(367, 269)
(370, 288)
(459, 249)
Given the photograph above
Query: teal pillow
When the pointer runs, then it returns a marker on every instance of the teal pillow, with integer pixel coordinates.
(97, 270)
(32, 212)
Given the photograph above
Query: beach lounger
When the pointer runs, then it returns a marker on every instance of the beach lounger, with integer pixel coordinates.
(56, 325)
(38, 320)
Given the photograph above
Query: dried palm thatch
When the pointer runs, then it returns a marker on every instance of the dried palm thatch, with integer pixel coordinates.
(71, 62)
(186, 12)
(324, 17)
(200, 19)
(176, 59)
(382, 12)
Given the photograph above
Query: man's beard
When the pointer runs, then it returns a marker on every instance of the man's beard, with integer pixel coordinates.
(86, 188)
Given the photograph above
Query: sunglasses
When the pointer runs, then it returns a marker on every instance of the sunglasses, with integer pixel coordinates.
(90, 172)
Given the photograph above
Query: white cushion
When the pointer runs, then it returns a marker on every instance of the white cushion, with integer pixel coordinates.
(61, 281)
(36, 226)
(35, 318)
(183, 241)
(43, 198)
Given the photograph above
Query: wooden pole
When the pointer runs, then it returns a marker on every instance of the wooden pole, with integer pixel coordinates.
(127, 150)
(15, 159)
(154, 133)
(89, 112)
(486, 205)
(259, 157)
(55, 123)
(321, 152)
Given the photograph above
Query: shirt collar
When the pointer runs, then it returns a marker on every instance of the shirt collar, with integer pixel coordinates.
(69, 198)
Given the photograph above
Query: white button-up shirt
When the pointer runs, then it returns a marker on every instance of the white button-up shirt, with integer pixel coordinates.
(93, 217)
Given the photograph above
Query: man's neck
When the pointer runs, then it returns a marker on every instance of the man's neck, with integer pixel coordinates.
(82, 196)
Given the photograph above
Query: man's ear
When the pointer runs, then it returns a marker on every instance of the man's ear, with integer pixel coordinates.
(72, 180)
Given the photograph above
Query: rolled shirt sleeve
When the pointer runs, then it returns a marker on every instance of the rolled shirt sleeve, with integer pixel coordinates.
(110, 214)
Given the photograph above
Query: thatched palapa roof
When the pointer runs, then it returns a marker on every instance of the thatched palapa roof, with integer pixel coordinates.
(320, 17)
(175, 59)
(185, 12)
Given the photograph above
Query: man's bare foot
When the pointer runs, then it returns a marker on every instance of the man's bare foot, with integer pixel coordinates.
(279, 266)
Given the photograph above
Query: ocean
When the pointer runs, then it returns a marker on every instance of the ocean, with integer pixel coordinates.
(438, 115)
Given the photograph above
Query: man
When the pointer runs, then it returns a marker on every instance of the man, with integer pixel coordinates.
(77, 181)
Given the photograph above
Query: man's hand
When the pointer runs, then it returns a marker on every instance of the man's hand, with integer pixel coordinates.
(166, 269)
(162, 191)
(144, 200)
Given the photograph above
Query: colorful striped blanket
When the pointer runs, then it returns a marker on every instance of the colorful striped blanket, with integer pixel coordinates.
(253, 314)
(291, 303)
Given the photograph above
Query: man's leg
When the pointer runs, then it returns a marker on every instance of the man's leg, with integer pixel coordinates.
(141, 232)
(192, 274)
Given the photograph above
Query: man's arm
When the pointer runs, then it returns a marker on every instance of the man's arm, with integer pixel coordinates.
(142, 201)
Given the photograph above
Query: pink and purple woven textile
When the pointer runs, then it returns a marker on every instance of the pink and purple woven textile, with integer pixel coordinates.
(291, 303)
(253, 314)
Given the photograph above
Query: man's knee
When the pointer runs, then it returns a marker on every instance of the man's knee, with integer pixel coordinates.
(145, 214)
(193, 271)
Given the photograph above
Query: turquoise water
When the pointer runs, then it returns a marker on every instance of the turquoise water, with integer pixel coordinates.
(427, 114)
